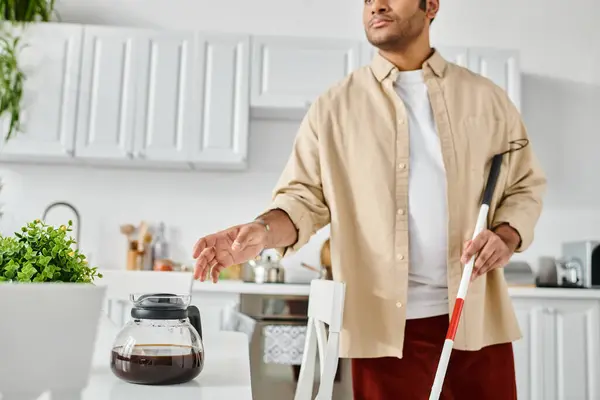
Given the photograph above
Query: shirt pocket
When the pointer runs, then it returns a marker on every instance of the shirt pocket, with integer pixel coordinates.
(483, 138)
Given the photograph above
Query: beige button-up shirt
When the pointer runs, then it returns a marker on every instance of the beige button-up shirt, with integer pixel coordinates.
(349, 167)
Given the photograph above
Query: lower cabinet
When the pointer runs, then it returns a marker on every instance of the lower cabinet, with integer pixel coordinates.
(558, 357)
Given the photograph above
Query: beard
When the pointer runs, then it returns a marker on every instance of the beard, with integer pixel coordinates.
(398, 35)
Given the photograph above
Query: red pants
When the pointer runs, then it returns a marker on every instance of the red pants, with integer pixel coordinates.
(485, 374)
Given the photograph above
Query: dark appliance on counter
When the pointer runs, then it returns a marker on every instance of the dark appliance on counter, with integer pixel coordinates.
(587, 255)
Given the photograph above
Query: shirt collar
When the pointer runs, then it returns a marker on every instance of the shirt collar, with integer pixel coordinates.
(382, 67)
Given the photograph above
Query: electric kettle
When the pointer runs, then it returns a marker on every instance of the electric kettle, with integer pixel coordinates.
(162, 342)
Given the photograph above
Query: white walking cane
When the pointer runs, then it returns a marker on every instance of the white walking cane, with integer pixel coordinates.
(466, 278)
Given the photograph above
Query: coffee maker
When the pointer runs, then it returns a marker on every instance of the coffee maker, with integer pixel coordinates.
(586, 253)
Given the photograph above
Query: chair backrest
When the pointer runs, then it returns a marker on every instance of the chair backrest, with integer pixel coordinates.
(47, 336)
(121, 284)
(325, 306)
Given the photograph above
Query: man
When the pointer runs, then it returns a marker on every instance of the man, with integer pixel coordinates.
(395, 157)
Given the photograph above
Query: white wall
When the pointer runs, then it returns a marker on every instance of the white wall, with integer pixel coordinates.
(560, 50)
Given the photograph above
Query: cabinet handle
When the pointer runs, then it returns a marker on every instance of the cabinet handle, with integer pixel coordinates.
(69, 152)
(129, 154)
(140, 154)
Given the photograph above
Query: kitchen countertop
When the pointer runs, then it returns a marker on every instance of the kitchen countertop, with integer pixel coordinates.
(303, 289)
(241, 287)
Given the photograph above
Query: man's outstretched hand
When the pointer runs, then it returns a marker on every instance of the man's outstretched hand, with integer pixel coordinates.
(231, 246)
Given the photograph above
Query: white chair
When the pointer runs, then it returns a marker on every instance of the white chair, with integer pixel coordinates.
(121, 284)
(325, 306)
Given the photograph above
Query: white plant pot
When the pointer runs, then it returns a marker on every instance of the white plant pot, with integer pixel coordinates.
(47, 336)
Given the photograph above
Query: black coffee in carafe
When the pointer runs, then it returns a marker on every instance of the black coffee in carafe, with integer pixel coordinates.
(157, 364)
(161, 344)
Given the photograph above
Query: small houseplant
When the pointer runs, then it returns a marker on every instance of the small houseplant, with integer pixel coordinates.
(43, 253)
(12, 78)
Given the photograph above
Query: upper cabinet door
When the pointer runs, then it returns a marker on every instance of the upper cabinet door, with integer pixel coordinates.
(221, 109)
(293, 72)
(163, 124)
(501, 67)
(111, 63)
(51, 63)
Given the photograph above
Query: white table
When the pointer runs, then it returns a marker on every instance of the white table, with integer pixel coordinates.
(226, 373)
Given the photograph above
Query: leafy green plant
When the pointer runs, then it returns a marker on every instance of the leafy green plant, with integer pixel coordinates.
(43, 253)
(12, 80)
(27, 10)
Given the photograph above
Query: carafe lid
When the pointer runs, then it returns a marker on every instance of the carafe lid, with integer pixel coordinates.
(160, 306)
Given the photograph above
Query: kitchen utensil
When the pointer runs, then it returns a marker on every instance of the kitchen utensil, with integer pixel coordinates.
(160, 246)
(147, 254)
(466, 278)
(133, 256)
(275, 273)
(323, 273)
(162, 343)
(127, 230)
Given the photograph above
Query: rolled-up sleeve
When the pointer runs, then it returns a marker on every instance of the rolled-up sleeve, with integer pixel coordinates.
(299, 191)
(521, 203)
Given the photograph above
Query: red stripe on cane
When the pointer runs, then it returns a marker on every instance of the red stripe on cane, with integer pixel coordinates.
(458, 306)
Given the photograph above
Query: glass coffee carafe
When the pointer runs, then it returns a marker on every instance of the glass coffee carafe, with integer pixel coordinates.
(162, 343)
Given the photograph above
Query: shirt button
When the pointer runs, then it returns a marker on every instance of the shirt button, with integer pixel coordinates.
(400, 257)
(401, 166)
(400, 121)
(400, 212)
(398, 304)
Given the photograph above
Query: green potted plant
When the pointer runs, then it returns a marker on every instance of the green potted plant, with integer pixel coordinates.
(47, 290)
(27, 10)
(43, 253)
(12, 78)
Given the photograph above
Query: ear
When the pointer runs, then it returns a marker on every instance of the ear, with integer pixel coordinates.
(433, 7)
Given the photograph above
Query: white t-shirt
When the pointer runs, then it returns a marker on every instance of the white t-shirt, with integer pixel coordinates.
(427, 203)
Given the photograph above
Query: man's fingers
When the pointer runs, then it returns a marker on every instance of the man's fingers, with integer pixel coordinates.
(484, 255)
(215, 271)
(476, 245)
(486, 266)
(200, 245)
(203, 263)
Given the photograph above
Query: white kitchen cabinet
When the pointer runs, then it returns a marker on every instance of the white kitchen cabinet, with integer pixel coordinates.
(571, 353)
(501, 67)
(221, 106)
(559, 355)
(165, 89)
(112, 60)
(528, 351)
(51, 62)
(292, 72)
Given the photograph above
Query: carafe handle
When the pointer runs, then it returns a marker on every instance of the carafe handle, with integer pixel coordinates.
(194, 316)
